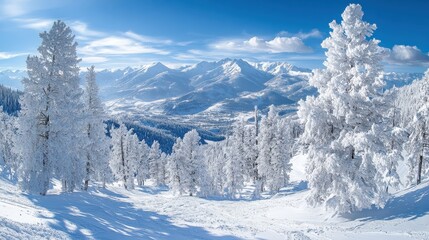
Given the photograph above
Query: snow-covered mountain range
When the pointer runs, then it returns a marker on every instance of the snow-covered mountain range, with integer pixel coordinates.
(227, 86)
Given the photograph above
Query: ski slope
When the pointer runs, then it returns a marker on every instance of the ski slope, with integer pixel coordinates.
(153, 213)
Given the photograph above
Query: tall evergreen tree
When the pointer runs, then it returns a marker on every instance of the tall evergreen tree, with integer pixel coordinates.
(156, 164)
(50, 122)
(236, 155)
(342, 123)
(7, 143)
(175, 168)
(143, 163)
(124, 155)
(97, 150)
(272, 161)
(186, 168)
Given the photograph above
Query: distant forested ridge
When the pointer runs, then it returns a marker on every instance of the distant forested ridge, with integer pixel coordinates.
(9, 99)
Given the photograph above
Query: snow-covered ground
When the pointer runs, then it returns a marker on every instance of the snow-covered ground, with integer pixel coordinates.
(152, 213)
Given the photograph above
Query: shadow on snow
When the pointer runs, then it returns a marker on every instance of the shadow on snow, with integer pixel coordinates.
(411, 205)
(247, 193)
(101, 214)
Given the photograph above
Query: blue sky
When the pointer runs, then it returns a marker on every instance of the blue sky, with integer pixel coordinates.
(114, 34)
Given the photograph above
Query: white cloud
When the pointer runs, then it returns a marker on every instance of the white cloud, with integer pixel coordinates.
(83, 32)
(314, 33)
(35, 23)
(259, 45)
(15, 8)
(116, 45)
(6, 55)
(147, 39)
(407, 55)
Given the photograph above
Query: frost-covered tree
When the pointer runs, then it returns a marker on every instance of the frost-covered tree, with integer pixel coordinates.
(156, 164)
(124, 155)
(97, 149)
(417, 146)
(284, 150)
(50, 121)
(216, 155)
(342, 123)
(186, 168)
(175, 168)
(142, 164)
(272, 160)
(9, 162)
(236, 155)
(192, 157)
(6, 138)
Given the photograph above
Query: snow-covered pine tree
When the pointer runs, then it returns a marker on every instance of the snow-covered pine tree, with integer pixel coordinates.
(132, 157)
(142, 164)
(190, 149)
(417, 146)
(175, 167)
(50, 121)
(124, 155)
(216, 156)
(234, 165)
(271, 153)
(6, 137)
(156, 166)
(342, 123)
(285, 144)
(251, 154)
(8, 159)
(97, 150)
(162, 174)
(185, 167)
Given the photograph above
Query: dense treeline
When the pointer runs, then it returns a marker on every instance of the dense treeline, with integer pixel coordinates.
(9, 99)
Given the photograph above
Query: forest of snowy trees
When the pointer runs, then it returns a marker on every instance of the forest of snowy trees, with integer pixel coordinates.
(353, 134)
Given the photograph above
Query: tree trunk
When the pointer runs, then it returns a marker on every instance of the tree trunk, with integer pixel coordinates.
(123, 163)
(85, 187)
(419, 173)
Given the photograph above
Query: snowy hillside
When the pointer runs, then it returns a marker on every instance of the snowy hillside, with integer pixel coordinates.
(153, 213)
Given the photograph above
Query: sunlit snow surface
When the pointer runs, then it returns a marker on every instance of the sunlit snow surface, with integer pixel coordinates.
(153, 213)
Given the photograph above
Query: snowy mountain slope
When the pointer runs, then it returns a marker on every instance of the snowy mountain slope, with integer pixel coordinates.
(276, 68)
(203, 86)
(153, 213)
(148, 83)
(247, 102)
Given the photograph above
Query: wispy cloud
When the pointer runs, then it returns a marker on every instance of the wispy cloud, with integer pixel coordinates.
(6, 55)
(407, 55)
(314, 33)
(147, 39)
(117, 45)
(34, 23)
(96, 46)
(16, 8)
(259, 45)
(83, 32)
